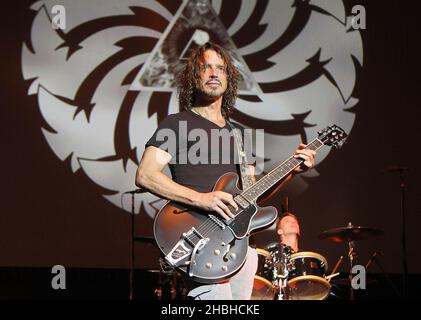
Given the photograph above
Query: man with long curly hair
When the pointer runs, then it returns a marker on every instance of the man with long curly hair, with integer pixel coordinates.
(207, 93)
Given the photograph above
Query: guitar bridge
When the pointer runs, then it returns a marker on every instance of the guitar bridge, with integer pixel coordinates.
(190, 242)
(178, 253)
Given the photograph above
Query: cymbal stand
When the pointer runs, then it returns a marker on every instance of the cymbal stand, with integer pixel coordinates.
(374, 258)
(352, 254)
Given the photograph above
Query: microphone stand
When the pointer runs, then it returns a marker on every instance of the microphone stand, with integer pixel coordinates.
(131, 275)
(132, 237)
(401, 170)
(403, 213)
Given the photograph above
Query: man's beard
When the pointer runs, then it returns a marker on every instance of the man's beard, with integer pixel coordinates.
(209, 93)
(212, 93)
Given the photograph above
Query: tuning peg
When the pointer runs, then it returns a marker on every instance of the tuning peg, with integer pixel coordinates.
(320, 132)
(338, 144)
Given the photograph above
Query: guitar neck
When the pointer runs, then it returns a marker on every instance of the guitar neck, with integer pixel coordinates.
(253, 192)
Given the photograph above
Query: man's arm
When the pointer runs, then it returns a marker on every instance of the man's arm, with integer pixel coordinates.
(149, 176)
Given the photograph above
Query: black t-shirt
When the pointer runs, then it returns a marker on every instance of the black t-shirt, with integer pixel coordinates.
(201, 150)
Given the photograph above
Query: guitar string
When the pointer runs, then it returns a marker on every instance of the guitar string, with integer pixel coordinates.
(207, 228)
(279, 170)
(196, 236)
(212, 226)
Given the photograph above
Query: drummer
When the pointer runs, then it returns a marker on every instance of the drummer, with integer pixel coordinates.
(288, 230)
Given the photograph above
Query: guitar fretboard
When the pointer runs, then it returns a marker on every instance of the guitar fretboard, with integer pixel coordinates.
(277, 174)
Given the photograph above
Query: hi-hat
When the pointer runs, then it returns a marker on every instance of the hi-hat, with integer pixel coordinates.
(350, 233)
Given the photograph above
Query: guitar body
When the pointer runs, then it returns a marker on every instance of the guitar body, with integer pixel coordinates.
(226, 245)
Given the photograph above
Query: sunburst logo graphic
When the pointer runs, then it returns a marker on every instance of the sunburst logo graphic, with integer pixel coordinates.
(106, 81)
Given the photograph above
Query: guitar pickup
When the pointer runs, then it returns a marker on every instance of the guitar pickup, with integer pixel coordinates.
(217, 221)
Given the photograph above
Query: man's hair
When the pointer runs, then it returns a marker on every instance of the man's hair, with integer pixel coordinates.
(286, 214)
(189, 79)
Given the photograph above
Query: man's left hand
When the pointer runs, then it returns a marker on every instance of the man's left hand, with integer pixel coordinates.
(304, 154)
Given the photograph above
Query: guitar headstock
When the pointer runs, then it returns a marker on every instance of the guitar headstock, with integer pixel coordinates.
(332, 136)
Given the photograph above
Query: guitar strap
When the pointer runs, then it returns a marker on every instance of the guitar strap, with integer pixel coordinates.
(246, 178)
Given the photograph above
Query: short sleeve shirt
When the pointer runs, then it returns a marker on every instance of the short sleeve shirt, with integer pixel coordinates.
(201, 150)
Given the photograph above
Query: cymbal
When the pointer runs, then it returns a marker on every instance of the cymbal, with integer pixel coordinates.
(346, 234)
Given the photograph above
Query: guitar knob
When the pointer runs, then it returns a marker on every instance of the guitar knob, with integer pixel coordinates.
(208, 265)
(224, 268)
(233, 256)
(217, 252)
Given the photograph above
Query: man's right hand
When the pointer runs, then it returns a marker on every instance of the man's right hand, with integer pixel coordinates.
(217, 201)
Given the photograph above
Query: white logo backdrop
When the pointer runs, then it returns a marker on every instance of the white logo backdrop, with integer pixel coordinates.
(86, 79)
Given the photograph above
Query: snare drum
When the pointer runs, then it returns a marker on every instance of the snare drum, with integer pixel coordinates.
(306, 277)
(263, 288)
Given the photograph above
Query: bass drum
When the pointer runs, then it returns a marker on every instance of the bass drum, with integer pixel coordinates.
(306, 277)
(263, 288)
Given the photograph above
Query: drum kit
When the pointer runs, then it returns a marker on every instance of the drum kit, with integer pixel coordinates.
(287, 275)
(282, 274)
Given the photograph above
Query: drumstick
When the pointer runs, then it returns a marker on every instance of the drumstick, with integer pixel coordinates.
(332, 275)
(337, 264)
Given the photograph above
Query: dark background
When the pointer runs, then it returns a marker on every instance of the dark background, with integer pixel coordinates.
(51, 216)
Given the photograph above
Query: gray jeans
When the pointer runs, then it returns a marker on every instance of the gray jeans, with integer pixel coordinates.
(239, 287)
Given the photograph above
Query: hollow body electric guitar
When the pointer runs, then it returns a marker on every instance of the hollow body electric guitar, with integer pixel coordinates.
(210, 249)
